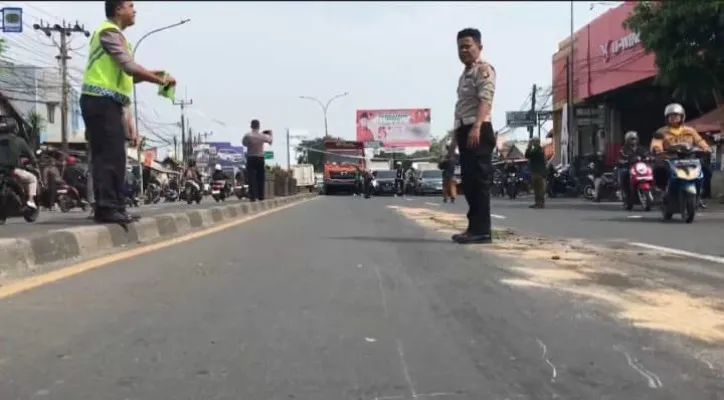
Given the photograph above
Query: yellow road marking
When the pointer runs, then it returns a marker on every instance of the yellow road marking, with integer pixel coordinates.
(66, 272)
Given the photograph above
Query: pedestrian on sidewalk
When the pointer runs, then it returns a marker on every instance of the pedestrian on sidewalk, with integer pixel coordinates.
(538, 170)
(474, 135)
(254, 142)
(449, 186)
(108, 80)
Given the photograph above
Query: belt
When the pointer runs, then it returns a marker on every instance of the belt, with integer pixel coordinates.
(464, 121)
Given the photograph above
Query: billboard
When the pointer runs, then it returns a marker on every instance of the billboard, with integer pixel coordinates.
(407, 127)
(207, 155)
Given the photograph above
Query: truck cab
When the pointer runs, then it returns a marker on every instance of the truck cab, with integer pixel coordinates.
(342, 158)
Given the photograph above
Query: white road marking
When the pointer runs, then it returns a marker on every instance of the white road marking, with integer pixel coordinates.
(383, 297)
(634, 217)
(683, 253)
(498, 216)
(405, 370)
(370, 340)
(432, 204)
(544, 349)
(653, 380)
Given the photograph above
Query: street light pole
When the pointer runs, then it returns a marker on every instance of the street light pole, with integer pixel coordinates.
(135, 102)
(325, 107)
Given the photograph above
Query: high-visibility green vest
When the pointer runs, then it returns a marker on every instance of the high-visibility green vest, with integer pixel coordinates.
(103, 76)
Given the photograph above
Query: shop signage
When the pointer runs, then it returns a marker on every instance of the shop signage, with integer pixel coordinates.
(613, 47)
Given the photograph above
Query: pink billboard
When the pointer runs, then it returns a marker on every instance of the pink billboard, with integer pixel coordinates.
(407, 127)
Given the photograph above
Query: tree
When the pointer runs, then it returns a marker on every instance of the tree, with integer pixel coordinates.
(37, 125)
(687, 39)
(2, 46)
(311, 153)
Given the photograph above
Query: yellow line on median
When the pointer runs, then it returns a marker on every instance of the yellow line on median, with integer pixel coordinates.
(14, 288)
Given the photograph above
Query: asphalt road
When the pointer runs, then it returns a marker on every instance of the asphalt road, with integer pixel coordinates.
(579, 218)
(338, 299)
(57, 220)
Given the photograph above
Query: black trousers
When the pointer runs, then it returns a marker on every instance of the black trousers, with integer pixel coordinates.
(706, 189)
(476, 174)
(106, 134)
(257, 176)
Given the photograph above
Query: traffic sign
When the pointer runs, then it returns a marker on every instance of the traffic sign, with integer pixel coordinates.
(12, 19)
(519, 119)
(268, 155)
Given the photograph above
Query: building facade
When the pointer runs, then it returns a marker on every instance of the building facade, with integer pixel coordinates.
(32, 89)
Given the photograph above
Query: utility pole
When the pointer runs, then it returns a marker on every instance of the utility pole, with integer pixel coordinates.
(572, 128)
(533, 112)
(175, 147)
(183, 103)
(65, 30)
(205, 135)
(190, 144)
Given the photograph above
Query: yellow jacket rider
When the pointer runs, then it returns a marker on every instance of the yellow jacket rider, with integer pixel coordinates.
(675, 132)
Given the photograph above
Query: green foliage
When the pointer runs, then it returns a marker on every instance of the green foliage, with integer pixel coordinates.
(687, 39)
(2, 46)
(37, 125)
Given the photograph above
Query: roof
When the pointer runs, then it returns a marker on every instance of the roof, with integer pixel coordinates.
(711, 122)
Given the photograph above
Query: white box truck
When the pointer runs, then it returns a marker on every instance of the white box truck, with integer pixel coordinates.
(304, 174)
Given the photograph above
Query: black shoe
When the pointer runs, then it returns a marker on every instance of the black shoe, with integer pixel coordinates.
(444, 200)
(702, 205)
(457, 236)
(452, 199)
(474, 238)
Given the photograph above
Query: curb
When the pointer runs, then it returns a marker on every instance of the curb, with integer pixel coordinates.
(24, 254)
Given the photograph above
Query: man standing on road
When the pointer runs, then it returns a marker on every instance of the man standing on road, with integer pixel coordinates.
(447, 165)
(474, 135)
(254, 142)
(538, 170)
(107, 87)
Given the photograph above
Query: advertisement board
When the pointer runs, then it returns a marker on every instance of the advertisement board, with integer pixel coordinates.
(407, 127)
(207, 155)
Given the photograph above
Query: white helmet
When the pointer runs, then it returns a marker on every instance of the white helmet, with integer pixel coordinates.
(217, 167)
(631, 135)
(675, 108)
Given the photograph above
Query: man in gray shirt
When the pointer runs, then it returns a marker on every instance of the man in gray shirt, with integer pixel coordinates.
(474, 135)
(255, 167)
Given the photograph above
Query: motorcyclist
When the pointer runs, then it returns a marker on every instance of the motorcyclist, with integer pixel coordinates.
(399, 179)
(191, 175)
(675, 132)
(76, 177)
(12, 149)
(629, 150)
(510, 167)
(218, 174)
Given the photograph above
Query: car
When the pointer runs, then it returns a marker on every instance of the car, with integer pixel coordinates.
(429, 182)
(229, 155)
(385, 182)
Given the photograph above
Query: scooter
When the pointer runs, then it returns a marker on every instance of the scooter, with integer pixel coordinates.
(69, 198)
(681, 195)
(12, 198)
(192, 192)
(640, 185)
(218, 190)
(511, 186)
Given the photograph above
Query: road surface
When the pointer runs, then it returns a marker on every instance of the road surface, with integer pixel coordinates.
(336, 298)
(580, 218)
(57, 220)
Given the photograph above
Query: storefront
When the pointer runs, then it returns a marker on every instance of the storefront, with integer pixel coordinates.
(608, 60)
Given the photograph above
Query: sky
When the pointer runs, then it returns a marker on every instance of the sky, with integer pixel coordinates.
(245, 60)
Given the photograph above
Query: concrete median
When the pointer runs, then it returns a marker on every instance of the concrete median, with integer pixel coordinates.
(25, 254)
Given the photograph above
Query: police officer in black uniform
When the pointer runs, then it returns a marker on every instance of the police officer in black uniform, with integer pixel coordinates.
(474, 135)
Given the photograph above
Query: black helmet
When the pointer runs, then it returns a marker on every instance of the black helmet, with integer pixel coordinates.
(8, 125)
(192, 163)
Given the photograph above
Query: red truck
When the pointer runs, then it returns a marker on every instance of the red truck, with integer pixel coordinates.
(341, 160)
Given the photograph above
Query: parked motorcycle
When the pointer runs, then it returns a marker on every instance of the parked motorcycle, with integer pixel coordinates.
(608, 189)
(640, 185)
(560, 182)
(171, 195)
(685, 179)
(511, 186)
(192, 192)
(12, 198)
(153, 193)
(219, 190)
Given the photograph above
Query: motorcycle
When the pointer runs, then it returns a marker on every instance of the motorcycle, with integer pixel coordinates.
(12, 198)
(681, 195)
(192, 192)
(153, 194)
(241, 191)
(498, 189)
(561, 182)
(171, 195)
(640, 185)
(608, 188)
(219, 190)
(69, 198)
(511, 186)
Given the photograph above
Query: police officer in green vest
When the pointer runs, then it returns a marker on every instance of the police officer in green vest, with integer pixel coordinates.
(107, 89)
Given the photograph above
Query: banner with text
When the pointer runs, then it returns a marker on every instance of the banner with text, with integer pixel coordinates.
(409, 127)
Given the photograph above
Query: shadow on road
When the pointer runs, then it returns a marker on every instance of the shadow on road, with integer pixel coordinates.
(555, 205)
(388, 239)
